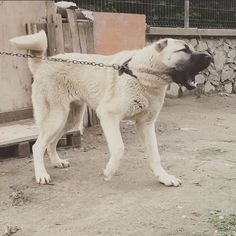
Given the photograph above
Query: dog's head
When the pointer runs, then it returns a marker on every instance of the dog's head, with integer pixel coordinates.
(182, 61)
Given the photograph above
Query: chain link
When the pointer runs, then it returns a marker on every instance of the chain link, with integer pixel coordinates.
(53, 59)
(124, 68)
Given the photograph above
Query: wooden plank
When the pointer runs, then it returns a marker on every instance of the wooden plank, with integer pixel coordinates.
(72, 19)
(41, 26)
(20, 114)
(89, 37)
(62, 142)
(78, 12)
(60, 48)
(67, 37)
(21, 131)
(23, 150)
(28, 28)
(82, 37)
(31, 28)
(73, 139)
(52, 50)
(17, 132)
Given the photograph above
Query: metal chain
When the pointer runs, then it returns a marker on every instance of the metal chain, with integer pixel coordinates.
(16, 54)
(75, 62)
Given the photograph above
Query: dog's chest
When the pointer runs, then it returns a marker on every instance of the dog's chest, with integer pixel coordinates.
(144, 104)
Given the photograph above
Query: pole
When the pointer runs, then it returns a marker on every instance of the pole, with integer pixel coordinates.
(186, 14)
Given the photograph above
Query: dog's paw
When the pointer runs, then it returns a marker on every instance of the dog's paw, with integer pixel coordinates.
(61, 164)
(107, 175)
(43, 178)
(169, 180)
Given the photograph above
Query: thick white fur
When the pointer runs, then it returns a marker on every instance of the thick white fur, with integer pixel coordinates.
(60, 92)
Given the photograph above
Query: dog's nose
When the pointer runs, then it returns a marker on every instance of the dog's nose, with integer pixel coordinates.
(207, 57)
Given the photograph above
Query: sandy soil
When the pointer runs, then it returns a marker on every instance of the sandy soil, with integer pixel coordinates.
(80, 203)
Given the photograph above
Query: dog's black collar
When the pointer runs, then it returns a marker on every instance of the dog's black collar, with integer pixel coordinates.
(124, 68)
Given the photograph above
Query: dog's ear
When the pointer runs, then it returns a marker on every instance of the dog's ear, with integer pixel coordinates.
(161, 44)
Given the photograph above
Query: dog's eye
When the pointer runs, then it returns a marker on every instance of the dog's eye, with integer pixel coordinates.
(186, 50)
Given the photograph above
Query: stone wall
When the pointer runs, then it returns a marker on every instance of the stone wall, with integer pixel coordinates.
(220, 76)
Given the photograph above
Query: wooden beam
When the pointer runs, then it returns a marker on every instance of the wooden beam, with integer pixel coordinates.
(52, 49)
(82, 37)
(73, 139)
(20, 114)
(23, 150)
(78, 12)
(21, 131)
(67, 37)
(189, 32)
(72, 19)
(59, 34)
(89, 37)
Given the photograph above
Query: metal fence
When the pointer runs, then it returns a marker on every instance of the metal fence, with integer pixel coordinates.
(172, 13)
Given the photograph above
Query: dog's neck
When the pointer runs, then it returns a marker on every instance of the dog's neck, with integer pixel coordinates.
(149, 70)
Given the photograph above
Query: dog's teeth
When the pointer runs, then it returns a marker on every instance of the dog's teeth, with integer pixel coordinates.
(193, 83)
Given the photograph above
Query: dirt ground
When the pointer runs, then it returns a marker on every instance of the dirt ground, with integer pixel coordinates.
(197, 143)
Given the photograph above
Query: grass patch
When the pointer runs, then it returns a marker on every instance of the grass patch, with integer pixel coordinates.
(226, 225)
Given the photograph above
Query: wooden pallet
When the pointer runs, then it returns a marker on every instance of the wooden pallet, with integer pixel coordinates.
(17, 138)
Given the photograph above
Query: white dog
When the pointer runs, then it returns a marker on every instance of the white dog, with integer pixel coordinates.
(61, 90)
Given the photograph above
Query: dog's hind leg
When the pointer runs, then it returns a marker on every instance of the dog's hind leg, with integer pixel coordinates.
(56, 161)
(49, 127)
(75, 117)
(111, 128)
(147, 134)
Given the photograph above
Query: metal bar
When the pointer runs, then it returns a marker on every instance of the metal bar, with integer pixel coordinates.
(186, 14)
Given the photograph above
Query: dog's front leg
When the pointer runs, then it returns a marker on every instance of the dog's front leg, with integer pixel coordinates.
(147, 134)
(111, 128)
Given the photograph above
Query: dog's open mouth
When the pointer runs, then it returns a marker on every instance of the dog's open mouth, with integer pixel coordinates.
(185, 74)
(185, 79)
(190, 83)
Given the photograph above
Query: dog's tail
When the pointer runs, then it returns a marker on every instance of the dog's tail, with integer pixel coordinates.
(37, 46)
